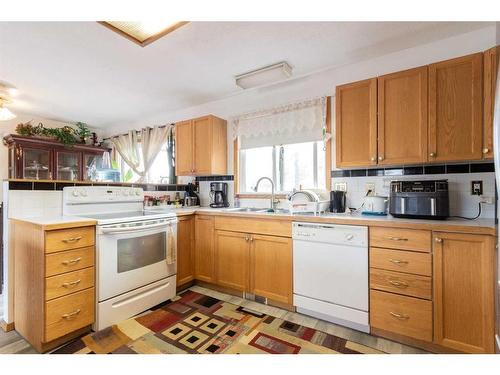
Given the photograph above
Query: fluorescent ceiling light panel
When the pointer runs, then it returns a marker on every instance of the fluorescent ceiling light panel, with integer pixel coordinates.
(263, 76)
(142, 33)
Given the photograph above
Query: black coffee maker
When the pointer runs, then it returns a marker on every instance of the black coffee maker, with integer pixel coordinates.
(191, 198)
(218, 195)
(337, 201)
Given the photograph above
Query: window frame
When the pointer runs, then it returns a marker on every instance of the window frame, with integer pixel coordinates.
(328, 163)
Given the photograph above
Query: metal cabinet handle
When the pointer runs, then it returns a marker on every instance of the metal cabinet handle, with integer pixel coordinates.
(72, 239)
(397, 239)
(251, 238)
(432, 154)
(71, 261)
(71, 315)
(438, 240)
(399, 316)
(373, 158)
(247, 238)
(399, 284)
(71, 284)
(486, 150)
(380, 158)
(398, 261)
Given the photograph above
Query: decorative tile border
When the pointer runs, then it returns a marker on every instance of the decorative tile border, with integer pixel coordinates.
(215, 178)
(49, 186)
(416, 170)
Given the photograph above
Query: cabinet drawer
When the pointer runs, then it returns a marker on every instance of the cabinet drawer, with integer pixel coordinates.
(271, 227)
(69, 313)
(403, 239)
(67, 261)
(72, 238)
(67, 283)
(402, 283)
(403, 315)
(401, 261)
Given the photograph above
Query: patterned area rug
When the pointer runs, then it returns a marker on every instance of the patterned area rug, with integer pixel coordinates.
(196, 323)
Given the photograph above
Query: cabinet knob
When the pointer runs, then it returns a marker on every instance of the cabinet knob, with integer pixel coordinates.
(486, 150)
(373, 158)
(438, 240)
(380, 158)
(432, 154)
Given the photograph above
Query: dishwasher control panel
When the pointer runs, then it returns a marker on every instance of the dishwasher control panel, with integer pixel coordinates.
(354, 235)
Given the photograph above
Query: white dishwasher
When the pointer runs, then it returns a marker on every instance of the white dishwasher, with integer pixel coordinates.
(330, 273)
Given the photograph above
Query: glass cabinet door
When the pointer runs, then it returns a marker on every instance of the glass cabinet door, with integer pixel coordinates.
(91, 163)
(68, 166)
(36, 164)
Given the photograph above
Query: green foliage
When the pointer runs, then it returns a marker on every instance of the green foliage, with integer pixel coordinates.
(66, 134)
(114, 164)
(128, 176)
(82, 131)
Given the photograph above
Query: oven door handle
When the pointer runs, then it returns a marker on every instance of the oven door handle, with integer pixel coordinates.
(132, 229)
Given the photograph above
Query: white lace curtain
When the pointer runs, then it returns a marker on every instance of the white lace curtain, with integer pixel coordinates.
(140, 148)
(293, 123)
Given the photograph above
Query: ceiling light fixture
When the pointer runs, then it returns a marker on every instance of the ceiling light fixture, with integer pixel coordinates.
(263, 76)
(142, 32)
(5, 113)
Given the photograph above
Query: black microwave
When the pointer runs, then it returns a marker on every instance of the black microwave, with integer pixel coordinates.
(423, 199)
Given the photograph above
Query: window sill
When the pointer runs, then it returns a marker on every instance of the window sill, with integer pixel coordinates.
(259, 196)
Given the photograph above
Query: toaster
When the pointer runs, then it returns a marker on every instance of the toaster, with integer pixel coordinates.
(426, 199)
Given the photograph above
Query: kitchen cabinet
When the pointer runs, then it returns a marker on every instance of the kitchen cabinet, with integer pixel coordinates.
(185, 249)
(54, 277)
(45, 159)
(204, 248)
(271, 267)
(464, 291)
(456, 109)
(232, 252)
(402, 117)
(201, 146)
(356, 124)
(491, 63)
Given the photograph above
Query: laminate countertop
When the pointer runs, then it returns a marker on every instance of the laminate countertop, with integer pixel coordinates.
(56, 221)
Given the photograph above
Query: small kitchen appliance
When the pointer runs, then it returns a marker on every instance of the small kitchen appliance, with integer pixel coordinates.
(375, 205)
(419, 199)
(191, 198)
(218, 195)
(337, 201)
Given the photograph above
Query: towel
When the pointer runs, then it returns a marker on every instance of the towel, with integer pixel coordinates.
(171, 245)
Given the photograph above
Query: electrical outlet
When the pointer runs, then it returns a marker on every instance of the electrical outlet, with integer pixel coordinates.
(370, 187)
(476, 187)
(340, 186)
(487, 200)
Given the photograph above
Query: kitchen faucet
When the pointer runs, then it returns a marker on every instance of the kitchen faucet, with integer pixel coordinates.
(273, 202)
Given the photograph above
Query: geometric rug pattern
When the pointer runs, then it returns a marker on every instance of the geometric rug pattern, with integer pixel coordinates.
(196, 323)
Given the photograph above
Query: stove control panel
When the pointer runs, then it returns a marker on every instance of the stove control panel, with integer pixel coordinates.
(101, 194)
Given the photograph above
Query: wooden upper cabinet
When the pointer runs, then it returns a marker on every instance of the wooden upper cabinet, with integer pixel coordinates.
(185, 249)
(402, 117)
(184, 163)
(231, 254)
(204, 249)
(456, 109)
(356, 124)
(491, 62)
(201, 146)
(464, 317)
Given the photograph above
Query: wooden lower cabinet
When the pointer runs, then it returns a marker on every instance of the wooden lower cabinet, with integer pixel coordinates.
(185, 250)
(464, 291)
(231, 254)
(204, 258)
(271, 267)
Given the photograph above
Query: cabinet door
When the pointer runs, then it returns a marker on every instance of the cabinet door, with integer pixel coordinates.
(36, 163)
(356, 124)
(184, 162)
(202, 128)
(402, 117)
(464, 292)
(68, 165)
(271, 267)
(491, 62)
(204, 248)
(456, 109)
(231, 266)
(185, 250)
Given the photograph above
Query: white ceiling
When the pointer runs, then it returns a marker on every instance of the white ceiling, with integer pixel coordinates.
(81, 71)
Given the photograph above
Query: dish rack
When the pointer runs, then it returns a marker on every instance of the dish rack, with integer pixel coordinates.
(308, 201)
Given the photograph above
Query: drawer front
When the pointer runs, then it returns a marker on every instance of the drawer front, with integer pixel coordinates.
(67, 314)
(403, 315)
(401, 261)
(402, 283)
(271, 227)
(67, 283)
(403, 239)
(70, 260)
(66, 239)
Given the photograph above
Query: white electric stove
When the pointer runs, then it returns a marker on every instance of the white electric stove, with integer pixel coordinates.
(135, 250)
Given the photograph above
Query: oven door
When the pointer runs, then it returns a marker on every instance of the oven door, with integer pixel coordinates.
(132, 255)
